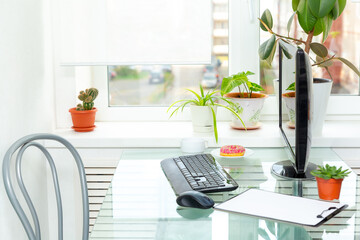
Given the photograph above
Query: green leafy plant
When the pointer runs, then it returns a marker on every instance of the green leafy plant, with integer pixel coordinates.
(209, 99)
(291, 87)
(315, 17)
(329, 172)
(87, 97)
(238, 80)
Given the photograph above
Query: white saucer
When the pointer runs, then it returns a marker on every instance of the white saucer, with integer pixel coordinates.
(216, 153)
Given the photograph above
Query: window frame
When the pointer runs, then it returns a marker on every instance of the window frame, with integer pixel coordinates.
(242, 19)
(243, 22)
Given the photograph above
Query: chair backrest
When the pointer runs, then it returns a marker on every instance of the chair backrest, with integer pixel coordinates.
(21, 145)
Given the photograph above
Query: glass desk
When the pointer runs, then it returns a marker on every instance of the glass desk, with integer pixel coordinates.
(140, 203)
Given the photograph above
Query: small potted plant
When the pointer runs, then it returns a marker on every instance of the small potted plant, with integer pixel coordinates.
(248, 103)
(203, 110)
(83, 116)
(329, 179)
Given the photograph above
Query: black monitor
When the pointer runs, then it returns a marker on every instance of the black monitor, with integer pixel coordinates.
(295, 112)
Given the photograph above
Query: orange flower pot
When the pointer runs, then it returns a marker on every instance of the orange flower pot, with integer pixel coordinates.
(329, 189)
(83, 120)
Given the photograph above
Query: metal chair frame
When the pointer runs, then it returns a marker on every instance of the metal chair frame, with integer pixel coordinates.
(21, 145)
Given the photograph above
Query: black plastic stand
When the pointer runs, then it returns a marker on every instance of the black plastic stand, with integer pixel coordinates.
(285, 169)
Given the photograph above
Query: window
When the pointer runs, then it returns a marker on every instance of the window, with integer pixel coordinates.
(344, 40)
(235, 48)
(160, 85)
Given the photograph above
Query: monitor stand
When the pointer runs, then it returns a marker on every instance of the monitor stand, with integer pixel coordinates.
(285, 169)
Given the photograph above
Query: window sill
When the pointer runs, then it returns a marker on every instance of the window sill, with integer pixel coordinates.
(169, 134)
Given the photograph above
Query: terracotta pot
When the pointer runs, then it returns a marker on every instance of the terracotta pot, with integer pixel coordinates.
(83, 120)
(329, 189)
(251, 109)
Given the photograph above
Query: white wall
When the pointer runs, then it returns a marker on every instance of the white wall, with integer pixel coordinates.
(26, 102)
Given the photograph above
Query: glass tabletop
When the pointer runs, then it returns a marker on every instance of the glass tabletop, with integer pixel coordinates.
(140, 203)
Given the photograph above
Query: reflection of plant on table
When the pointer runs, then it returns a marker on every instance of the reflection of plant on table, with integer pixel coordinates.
(315, 17)
(210, 100)
(282, 231)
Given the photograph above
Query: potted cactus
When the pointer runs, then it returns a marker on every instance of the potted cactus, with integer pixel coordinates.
(83, 116)
(329, 179)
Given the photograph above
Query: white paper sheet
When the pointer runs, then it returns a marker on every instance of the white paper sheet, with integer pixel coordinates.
(281, 207)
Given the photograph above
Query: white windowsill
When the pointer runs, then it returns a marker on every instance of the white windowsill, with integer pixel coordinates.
(169, 134)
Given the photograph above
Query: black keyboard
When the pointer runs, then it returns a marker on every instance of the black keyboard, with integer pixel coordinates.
(199, 172)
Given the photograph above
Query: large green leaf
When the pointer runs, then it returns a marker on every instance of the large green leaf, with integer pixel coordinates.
(285, 49)
(338, 8)
(318, 29)
(327, 23)
(266, 47)
(267, 19)
(321, 8)
(291, 87)
(306, 19)
(349, 64)
(295, 4)
(229, 83)
(270, 59)
(255, 87)
(319, 49)
(291, 19)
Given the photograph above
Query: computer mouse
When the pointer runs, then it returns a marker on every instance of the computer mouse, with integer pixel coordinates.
(194, 199)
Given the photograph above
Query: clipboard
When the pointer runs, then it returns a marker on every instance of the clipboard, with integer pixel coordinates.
(281, 207)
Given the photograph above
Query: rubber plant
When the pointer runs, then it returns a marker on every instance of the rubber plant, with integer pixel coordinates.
(210, 99)
(315, 17)
(329, 179)
(83, 116)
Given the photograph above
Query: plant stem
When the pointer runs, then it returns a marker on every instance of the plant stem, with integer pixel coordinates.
(327, 69)
(308, 41)
(239, 91)
(319, 63)
(278, 35)
(290, 38)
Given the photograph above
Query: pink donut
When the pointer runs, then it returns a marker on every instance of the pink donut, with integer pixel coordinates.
(232, 150)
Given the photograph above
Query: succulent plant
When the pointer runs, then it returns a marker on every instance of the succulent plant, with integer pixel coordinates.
(328, 172)
(87, 97)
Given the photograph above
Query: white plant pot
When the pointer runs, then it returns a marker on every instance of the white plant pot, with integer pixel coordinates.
(321, 94)
(289, 100)
(322, 91)
(202, 118)
(251, 110)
